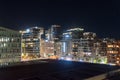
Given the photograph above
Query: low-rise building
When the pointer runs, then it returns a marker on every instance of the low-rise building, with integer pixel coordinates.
(10, 45)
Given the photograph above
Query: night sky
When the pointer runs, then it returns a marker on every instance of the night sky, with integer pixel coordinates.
(99, 16)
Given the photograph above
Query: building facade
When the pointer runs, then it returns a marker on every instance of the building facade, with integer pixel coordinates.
(10, 45)
(113, 52)
(31, 43)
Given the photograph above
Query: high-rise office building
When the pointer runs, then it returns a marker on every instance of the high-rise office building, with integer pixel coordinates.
(78, 44)
(51, 42)
(31, 42)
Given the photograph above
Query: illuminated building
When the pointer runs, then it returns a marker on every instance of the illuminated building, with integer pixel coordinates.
(67, 38)
(53, 33)
(74, 33)
(31, 42)
(51, 42)
(113, 52)
(77, 44)
(89, 35)
(10, 45)
(48, 47)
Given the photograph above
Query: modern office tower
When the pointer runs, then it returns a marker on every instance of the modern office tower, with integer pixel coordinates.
(10, 45)
(89, 35)
(67, 38)
(50, 49)
(47, 48)
(77, 48)
(31, 42)
(55, 31)
(51, 43)
(48, 35)
(78, 44)
(74, 33)
(113, 52)
(103, 44)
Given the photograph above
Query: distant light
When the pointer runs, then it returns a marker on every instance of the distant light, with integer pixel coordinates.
(102, 62)
(68, 59)
(67, 36)
(111, 64)
(4, 44)
(62, 58)
(69, 54)
(81, 60)
(64, 47)
(28, 30)
(46, 40)
(36, 27)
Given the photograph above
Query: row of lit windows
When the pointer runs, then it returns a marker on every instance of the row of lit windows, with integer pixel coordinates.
(2, 45)
(9, 35)
(9, 40)
(9, 55)
(10, 50)
(50, 47)
(113, 46)
(115, 52)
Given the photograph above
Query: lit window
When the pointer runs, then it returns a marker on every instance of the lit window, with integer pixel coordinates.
(4, 44)
(117, 46)
(2, 40)
(110, 45)
(73, 46)
(117, 58)
(117, 61)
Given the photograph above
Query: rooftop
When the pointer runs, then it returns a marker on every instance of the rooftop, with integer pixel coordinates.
(53, 70)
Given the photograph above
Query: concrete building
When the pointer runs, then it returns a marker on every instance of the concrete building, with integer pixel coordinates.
(113, 51)
(78, 44)
(31, 43)
(51, 42)
(73, 33)
(53, 33)
(10, 45)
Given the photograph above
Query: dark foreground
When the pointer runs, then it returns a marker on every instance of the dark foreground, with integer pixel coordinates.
(53, 70)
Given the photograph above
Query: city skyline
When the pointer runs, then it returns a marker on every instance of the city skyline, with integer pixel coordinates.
(101, 17)
(59, 39)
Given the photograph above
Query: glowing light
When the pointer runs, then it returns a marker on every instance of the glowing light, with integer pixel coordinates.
(62, 58)
(36, 27)
(64, 47)
(117, 62)
(67, 36)
(4, 44)
(81, 29)
(28, 30)
(111, 64)
(102, 62)
(2, 40)
(81, 60)
(46, 40)
(68, 59)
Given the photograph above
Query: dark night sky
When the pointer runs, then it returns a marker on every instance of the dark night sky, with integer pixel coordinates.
(100, 16)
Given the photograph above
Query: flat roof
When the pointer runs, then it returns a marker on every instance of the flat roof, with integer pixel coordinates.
(53, 70)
